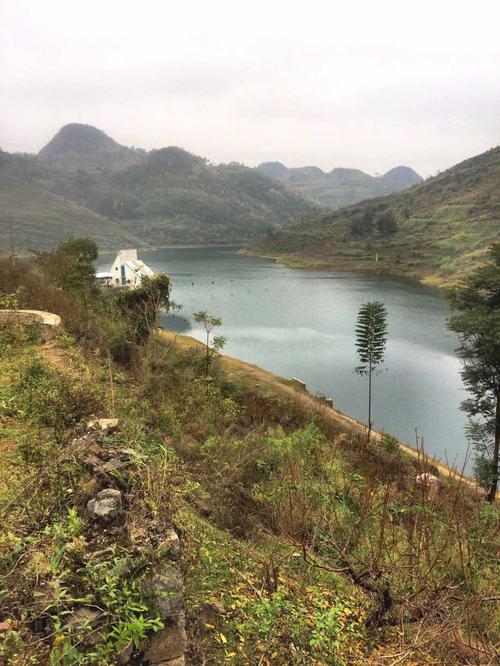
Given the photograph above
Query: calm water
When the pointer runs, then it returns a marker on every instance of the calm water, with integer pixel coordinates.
(301, 323)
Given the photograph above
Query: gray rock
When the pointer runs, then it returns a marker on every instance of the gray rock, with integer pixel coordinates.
(86, 620)
(83, 616)
(210, 612)
(106, 505)
(180, 661)
(166, 645)
(114, 465)
(124, 655)
(171, 545)
(429, 483)
(105, 426)
(165, 590)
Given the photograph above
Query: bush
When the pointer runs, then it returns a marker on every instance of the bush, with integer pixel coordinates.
(15, 334)
(55, 399)
(389, 443)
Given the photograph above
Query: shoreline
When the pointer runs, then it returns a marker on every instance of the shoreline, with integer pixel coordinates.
(346, 266)
(244, 370)
(180, 246)
(290, 261)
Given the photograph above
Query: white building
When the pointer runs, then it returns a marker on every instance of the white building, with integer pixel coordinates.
(127, 270)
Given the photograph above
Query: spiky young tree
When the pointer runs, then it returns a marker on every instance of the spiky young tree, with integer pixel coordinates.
(371, 337)
(209, 322)
(475, 318)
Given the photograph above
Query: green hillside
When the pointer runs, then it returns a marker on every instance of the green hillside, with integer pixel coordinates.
(38, 219)
(339, 187)
(162, 506)
(163, 197)
(77, 146)
(434, 231)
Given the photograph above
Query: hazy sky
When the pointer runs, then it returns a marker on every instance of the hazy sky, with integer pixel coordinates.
(362, 84)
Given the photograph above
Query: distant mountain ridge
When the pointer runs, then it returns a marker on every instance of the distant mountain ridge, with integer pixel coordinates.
(79, 146)
(78, 138)
(339, 187)
(83, 182)
(438, 230)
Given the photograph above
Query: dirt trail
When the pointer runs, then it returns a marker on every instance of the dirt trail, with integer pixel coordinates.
(240, 369)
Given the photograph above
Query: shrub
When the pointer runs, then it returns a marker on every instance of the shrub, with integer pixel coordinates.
(389, 443)
(55, 399)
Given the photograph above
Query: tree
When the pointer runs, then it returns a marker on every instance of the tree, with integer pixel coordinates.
(386, 224)
(209, 323)
(362, 226)
(83, 249)
(371, 336)
(475, 318)
(70, 266)
(142, 305)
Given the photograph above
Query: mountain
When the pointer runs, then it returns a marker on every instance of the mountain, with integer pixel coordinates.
(403, 176)
(161, 197)
(77, 146)
(79, 140)
(272, 169)
(339, 187)
(39, 218)
(436, 231)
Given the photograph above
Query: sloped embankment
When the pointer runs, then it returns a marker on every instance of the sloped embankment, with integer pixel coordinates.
(298, 542)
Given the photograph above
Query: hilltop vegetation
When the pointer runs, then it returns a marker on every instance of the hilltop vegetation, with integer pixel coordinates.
(302, 542)
(37, 218)
(340, 187)
(434, 231)
(77, 146)
(110, 192)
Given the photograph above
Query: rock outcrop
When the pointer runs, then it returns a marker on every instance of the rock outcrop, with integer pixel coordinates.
(165, 591)
(106, 505)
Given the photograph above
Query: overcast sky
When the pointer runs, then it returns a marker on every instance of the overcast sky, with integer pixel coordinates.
(362, 84)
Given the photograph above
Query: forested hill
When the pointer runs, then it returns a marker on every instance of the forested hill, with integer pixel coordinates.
(340, 187)
(436, 231)
(84, 182)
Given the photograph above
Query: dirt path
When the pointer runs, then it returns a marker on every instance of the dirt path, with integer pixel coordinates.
(241, 370)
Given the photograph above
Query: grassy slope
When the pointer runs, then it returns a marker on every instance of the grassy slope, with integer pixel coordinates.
(248, 374)
(211, 460)
(445, 227)
(41, 219)
(43, 479)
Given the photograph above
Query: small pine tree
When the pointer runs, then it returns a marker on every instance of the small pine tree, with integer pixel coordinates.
(371, 337)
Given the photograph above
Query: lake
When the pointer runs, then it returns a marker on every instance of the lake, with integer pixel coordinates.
(301, 323)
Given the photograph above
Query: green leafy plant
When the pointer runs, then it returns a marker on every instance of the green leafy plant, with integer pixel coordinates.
(54, 399)
(476, 320)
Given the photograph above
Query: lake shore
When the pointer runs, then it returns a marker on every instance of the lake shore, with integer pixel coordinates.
(297, 260)
(247, 372)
